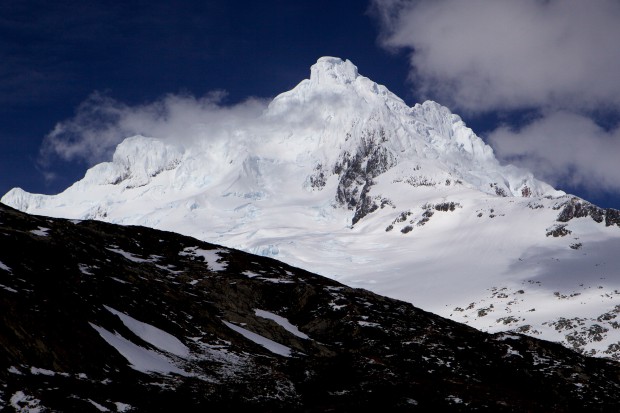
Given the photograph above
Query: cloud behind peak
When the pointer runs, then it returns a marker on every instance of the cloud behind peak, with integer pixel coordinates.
(483, 55)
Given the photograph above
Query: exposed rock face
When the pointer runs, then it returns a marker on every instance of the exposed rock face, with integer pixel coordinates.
(357, 172)
(96, 316)
(612, 217)
(578, 208)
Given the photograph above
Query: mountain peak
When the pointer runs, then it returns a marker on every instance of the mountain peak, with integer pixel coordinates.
(330, 70)
(336, 172)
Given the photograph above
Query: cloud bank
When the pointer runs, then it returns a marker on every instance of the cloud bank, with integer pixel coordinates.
(564, 148)
(101, 122)
(559, 58)
(507, 54)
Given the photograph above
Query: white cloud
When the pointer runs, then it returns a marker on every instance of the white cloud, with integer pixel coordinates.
(559, 59)
(564, 149)
(101, 122)
(480, 55)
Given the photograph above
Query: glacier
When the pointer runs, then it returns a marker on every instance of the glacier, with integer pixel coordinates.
(341, 177)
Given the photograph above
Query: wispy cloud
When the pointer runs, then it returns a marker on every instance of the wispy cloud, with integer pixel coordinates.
(565, 149)
(101, 122)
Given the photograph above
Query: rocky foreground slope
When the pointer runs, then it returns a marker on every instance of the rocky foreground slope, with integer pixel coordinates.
(100, 317)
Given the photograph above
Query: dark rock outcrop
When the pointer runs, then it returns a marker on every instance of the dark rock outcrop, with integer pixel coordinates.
(612, 217)
(578, 208)
(357, 171)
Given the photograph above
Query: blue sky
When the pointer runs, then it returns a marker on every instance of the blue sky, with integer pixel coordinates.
(539, 81)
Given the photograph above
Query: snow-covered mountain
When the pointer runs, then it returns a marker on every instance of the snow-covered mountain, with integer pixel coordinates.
(339, 176)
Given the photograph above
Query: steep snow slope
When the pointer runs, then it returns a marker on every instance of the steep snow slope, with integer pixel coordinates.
(341, 177)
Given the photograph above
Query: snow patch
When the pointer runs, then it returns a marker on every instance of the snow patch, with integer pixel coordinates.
(98, 406)
(5, 267)
(283, 322)
(270, 345)
(45, 372)
(84, 269)
(119, 280)
(9, 289)
(122, 407)
(368, 324)
(152, 335)
(211, 257)
(128, 255)
(22, 402)
(40, 232)
(139, 358)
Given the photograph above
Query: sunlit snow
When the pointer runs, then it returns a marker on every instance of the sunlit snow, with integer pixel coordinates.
(45, 372)
(211, 257)
(22, 402)
(122, 407)
(282, 322)
(140, 358)
(152, 335)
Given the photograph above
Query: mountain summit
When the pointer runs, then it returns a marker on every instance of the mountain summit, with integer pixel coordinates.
(333, 70)
(341, 177)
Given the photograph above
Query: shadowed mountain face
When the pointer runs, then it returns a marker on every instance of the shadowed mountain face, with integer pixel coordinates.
(99, 317)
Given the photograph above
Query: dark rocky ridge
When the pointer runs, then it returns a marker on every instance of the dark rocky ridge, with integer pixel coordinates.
(356, 173)
(364, 352)
(579, 208)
